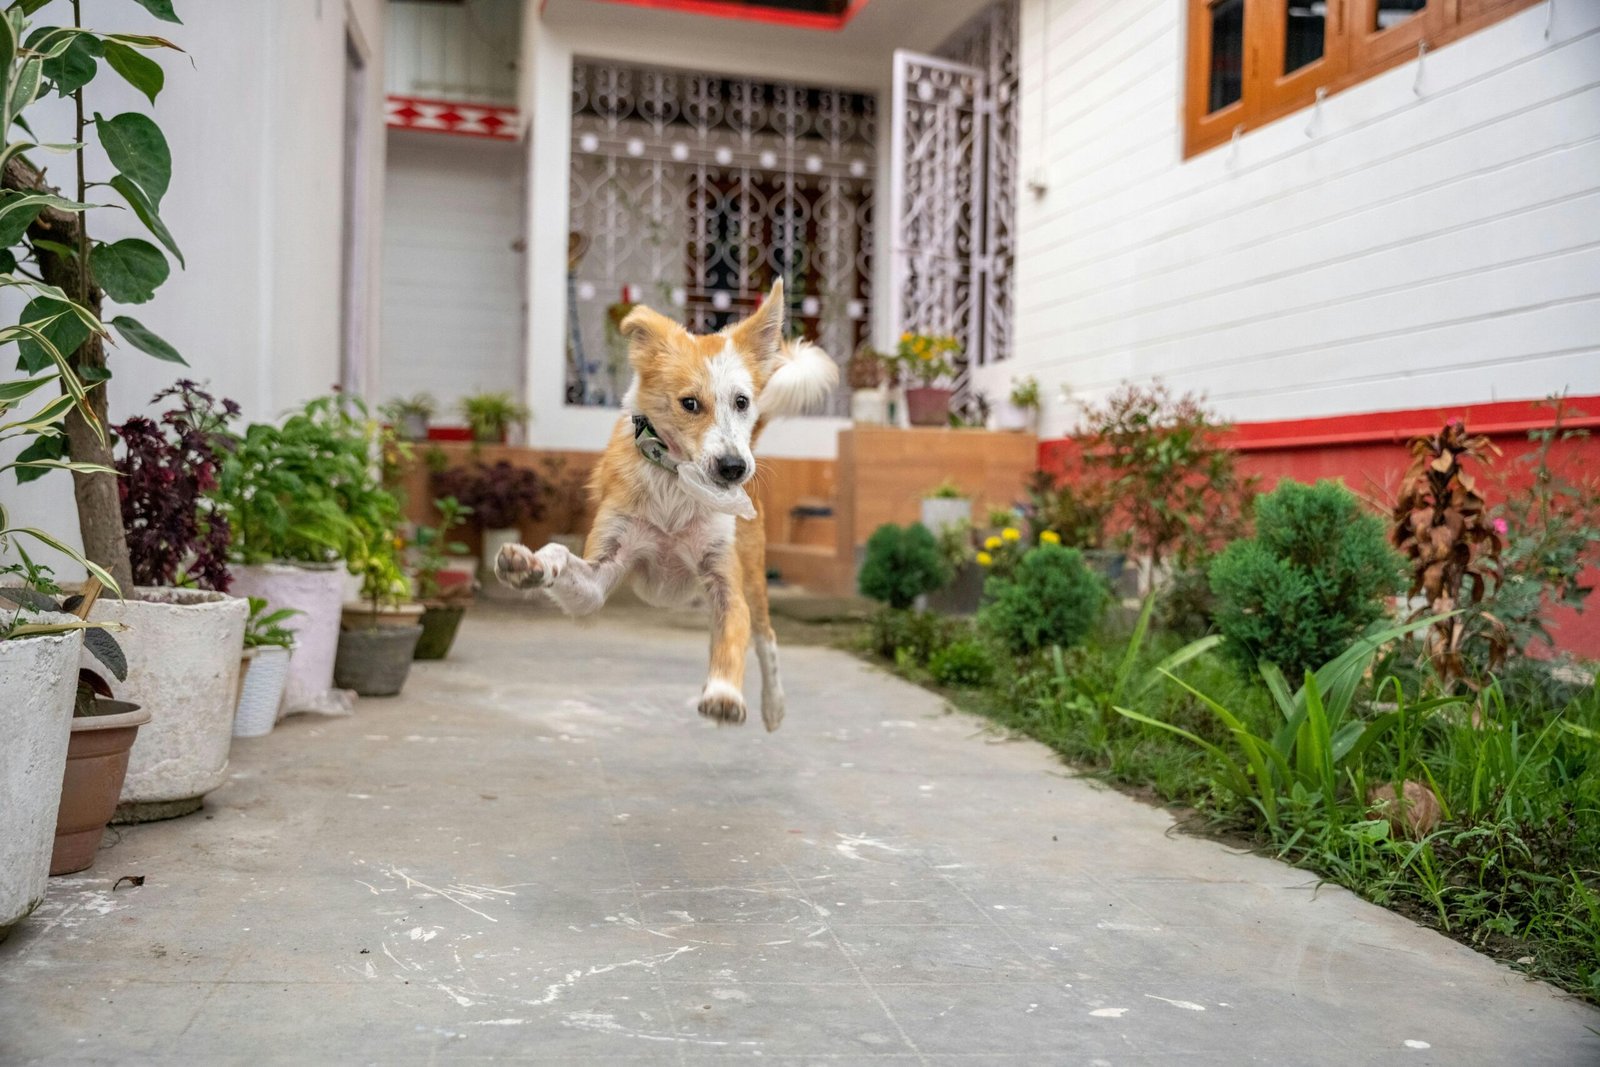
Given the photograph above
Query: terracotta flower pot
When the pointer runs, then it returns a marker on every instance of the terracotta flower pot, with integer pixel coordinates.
(440, 621)
(928, 405)
(38, 677)
(97, 763)
(375, 661)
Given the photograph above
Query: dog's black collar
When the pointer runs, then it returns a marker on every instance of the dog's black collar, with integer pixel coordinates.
(651, 446)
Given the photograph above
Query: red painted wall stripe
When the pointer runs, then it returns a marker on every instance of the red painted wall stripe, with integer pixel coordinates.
(726, 9)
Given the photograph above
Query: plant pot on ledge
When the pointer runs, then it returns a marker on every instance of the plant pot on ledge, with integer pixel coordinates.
(928, 405)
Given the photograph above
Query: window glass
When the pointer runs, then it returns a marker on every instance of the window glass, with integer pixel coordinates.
(1394, 12)
(1305, 33)
(1227, 54)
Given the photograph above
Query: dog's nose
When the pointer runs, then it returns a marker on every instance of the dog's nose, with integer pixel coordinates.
(731, 468)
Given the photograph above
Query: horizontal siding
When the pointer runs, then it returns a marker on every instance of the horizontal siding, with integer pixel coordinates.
(1417, 240)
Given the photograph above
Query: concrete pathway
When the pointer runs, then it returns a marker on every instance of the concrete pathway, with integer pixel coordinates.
(540, 854)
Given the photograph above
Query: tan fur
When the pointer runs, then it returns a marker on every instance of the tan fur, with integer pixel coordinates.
(648, 530)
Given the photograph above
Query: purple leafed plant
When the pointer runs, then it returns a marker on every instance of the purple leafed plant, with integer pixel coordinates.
(499, 495)
(168, 466)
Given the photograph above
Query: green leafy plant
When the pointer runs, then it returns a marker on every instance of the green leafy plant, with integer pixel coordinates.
(266, 629)
(901, 564)
(911, 638)
(1051, 598)
(418, 406)
(1161, 460)
(434, 549)
(946, 490)
(1312, 579)
(491, 415)
(37, 595)
(1025, 393)
(962, 663)
(926, 358)
(1077, 511)
(48, 257)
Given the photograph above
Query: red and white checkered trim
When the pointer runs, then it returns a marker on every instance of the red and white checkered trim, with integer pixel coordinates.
(443, 116)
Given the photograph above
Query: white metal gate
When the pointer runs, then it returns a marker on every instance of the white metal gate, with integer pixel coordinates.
(953, 188)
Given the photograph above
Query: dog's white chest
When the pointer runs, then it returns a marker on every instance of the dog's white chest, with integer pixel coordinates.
(670, 565)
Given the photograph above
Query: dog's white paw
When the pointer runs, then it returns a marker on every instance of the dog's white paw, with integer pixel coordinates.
(519, 567)
(722, 703)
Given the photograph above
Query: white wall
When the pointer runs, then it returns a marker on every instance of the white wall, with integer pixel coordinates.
(452, 282)
(1409, 250)
(256, 129)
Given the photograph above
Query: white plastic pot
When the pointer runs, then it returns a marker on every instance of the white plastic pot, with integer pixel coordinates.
(939, 512)
(870, 407)
(1012, 419)
(319, 594)
(183, 648)
(38, 679)
(262, 693)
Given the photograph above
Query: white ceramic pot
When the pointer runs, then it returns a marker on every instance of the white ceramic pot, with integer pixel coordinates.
(38, 680)
(184, 649)
(318, 592)
(1012, 419)
(939, 512)
(262, 693)
(870, 407)
(494, 539)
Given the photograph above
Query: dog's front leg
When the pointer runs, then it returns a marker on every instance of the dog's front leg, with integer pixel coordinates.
(722, 698)
(577, 585)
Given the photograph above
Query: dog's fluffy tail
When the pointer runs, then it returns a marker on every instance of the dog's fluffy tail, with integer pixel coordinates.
(802, 383)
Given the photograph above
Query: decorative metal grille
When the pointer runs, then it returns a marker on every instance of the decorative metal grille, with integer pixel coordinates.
(953, 192)
(694, 192)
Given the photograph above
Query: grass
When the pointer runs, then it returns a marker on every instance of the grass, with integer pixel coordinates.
(1512, 867)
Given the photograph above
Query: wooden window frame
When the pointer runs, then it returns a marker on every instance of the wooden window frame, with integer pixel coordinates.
(1351, 55)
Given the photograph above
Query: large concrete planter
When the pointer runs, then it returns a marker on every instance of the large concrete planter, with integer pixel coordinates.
(38, 679)
(318, 592)
(183, 648)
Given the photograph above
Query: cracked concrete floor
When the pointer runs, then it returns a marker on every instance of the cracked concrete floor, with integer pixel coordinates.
(540, 854)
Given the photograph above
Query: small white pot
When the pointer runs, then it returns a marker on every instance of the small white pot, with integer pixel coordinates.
(318, 592)
(939, 512)
(1012, 419)
(184, 649)
(870, 407)
(263, 692)
(494, 539)
(38, 680)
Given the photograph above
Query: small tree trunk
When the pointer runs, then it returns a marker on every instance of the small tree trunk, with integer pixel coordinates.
(99, 506)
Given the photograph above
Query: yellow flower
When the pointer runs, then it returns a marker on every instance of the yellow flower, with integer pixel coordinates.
(1050, 537)
(992, 543)
(1011, 533)
(985, 560)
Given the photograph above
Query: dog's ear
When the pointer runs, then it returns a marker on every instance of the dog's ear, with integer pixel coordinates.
(650, 335)
(761, 335)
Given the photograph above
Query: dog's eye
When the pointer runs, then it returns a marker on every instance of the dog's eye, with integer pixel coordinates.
(741, 402)
(690, 404)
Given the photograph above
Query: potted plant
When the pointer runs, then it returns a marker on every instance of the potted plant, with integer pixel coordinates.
(1077, 510)
(261, 688)
(1021, 409)
(491, 415)
(298, 497)
(928, 360)
(378, 637)
(945, 506)
(566, 496)
(500, 495)
(410, 415)
(444, 602)
(868, 373)
(104, 730)
(185, 635)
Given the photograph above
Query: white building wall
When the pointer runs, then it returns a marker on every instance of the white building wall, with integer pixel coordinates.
(464, 52)
(256, 129)
(1421, 239)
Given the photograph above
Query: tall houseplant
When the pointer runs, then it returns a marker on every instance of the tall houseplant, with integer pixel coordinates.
(42, 228)
(185, 634)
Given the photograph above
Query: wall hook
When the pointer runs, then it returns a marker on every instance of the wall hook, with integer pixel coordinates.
(1422, 54)
(1316, 111)
(1550, 19)
(1233, 144)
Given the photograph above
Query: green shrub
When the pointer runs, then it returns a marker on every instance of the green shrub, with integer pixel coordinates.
(965, 663)
(1310, 581)
(915, 635)
(902, 563)
(1050, 599)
